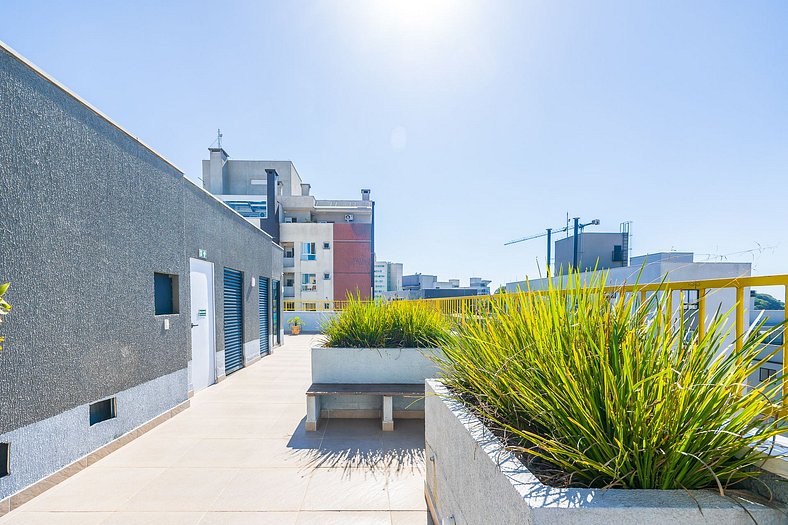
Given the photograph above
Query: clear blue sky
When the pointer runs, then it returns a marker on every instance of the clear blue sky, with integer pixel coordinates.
(473, 122)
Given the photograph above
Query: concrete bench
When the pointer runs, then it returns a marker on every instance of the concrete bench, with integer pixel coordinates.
(387, 391)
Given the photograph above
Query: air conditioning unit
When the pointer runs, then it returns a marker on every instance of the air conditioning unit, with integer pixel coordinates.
(349, 217)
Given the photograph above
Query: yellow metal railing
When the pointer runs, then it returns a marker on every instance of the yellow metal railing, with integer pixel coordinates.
(291, 305)
(481, 304)
(477, 305)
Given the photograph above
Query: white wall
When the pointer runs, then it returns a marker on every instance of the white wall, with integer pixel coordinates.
(311, 322)
(324, 263)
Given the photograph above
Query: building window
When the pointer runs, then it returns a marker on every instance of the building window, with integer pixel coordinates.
(289, 281)
(5, 459)
(691, 299)
(327, 306)
(308, 282)
(765, 373)
(250, 209)
(102, 411)
(308, 251)
(326, 276)
(326, 245)
(165, 294)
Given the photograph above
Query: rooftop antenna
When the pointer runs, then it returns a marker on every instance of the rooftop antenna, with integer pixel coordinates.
(219, 137)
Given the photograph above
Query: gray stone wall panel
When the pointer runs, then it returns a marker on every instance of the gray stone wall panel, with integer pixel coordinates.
(87, 215)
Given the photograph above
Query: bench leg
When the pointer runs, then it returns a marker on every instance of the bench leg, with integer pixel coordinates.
(312, 413)
(388, 414)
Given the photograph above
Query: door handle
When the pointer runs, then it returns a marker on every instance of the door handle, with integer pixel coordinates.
(193, 325)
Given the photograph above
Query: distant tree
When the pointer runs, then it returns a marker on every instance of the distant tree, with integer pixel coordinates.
(764, 301)
(501, 289)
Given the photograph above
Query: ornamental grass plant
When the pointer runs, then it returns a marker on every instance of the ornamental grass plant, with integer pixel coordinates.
(612, 392)
(386, 324)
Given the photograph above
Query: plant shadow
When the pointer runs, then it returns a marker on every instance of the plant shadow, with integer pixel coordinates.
(360, 445)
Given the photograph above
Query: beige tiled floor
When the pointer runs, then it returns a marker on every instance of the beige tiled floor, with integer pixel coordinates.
(240, 456)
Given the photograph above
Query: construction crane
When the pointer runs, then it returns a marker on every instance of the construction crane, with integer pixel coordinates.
(578, 229)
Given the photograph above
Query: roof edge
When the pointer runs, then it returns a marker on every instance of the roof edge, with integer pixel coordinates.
(40, 72)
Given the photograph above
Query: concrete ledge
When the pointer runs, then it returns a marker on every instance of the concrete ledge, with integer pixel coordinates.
(373, 365)
(31, 491)
(474, 479)
(368, 414)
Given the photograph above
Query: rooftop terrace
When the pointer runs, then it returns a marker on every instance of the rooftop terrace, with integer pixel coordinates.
(240, 455)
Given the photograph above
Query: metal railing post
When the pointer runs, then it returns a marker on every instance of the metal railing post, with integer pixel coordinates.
(739, 316)
(785, 353)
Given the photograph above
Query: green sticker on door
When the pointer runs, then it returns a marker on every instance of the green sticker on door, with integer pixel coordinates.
(201, 313)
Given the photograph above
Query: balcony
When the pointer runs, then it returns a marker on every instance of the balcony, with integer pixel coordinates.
(288, 262)
(288, 291)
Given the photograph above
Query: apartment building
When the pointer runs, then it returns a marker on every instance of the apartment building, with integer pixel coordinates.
(425, 286)
(388, 277)
(328, 244)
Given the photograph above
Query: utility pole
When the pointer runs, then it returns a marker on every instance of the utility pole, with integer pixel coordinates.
(576, 243)
(579, 230)
(549, 245)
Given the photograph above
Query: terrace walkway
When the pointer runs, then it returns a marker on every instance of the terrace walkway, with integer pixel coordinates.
(239, 455)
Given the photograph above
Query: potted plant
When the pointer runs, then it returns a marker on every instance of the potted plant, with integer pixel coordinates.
(568, 407)
(379, 342)
(295, 325)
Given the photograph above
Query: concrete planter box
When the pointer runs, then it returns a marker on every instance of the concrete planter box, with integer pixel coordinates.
(371, 366)
(472, 479)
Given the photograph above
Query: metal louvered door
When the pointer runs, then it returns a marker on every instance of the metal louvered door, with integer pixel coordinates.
(262, 306)
(233, 320)
(275, 310)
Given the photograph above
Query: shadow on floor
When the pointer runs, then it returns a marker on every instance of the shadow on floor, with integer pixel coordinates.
(361, 444)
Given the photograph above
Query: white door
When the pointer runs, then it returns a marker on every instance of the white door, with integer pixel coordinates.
(202, 319)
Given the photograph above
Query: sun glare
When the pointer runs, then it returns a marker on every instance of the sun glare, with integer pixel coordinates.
(419, 16)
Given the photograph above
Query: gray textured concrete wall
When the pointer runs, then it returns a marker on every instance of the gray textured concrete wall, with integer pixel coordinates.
(472, 477)
(43, 447)
(230, 242)
(87, 215)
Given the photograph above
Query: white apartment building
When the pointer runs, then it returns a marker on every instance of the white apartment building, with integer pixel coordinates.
(328, 244)
(381, 278)
(387, 278)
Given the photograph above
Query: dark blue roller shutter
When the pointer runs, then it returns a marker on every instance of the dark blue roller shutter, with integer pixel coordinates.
(275, 310)
(262, 306)
(233, 320)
